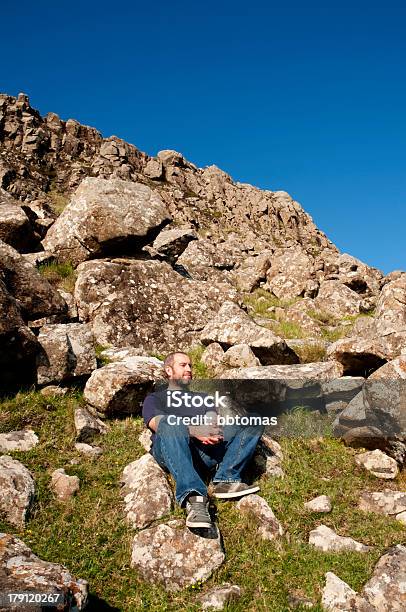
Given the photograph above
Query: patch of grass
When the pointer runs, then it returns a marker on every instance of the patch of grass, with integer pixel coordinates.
(58, 201)
(332, 335)
(311, 352)
(159, 356)
(59, 274)
(321, 316)
(200, 370)
(90, 537)
(101, 359)
(289, 329)
(260, 300)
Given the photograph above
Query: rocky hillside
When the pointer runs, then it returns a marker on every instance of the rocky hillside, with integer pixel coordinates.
(109, 259)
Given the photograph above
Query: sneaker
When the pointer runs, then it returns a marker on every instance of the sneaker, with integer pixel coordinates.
(229, 490)
(197, 508)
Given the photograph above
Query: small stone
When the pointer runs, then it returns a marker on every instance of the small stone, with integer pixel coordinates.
(319, 504)
(64, 485)
(22, 440)
(269, 527)
(145, 440)
(327, 540)
(51, 390)
(219, 596)
(87, 426)
(87, 449)
(378, 464)
(401, 517)
(16, 490)
(337, 595)
(385, 502)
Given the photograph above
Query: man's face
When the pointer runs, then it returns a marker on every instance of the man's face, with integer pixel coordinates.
(181, 369)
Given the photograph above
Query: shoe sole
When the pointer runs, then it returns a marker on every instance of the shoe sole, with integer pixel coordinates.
(233, 494)
(202, 524)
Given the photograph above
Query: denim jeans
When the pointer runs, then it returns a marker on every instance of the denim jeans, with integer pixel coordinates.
(187, 459)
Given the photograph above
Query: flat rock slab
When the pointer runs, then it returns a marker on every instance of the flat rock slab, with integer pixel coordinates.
(219, 596)
(386, 502)
(269, 527)
(146, 491)
(296, 372)
(21, 571)
(16, 490)
(22, 440)
(327, 540)
(378, 464)
(120, 387)
(322, 503)
(175, 557)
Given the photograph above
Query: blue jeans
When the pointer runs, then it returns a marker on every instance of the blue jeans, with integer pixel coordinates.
(186, 458)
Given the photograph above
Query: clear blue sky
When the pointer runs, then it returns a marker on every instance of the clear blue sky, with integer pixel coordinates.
(309, 98)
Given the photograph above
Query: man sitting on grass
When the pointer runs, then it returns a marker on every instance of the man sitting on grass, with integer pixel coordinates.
(187, 451)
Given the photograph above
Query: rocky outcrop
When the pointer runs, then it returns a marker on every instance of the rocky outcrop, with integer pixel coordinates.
(15, 227)
(174, 557)
(170, 244)
(387, 502)
(106, 216)
(145, 304)
(21, 571)
(16, 490)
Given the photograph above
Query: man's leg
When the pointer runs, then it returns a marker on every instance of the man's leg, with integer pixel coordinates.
(171, 449)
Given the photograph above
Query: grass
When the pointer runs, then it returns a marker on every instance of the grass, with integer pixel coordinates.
(89, 535)
(102, 360)
(260, 301)
(289, 330)
(58, 201)
(200, 370)
(311, 352)
(59, 274)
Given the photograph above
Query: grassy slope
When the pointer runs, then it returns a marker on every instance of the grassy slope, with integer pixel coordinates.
(90, 537)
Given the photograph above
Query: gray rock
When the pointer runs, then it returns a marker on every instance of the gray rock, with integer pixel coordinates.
(16, 490)
(120, 387)
(219, 596)
(385, 591)
(337, 299)
(104, 215)
(387, 502)
(67, 352)
(170, 244)
(233, 326)
(87, 425)
(15, 227)
(53, 390)
(269, 528)
(240, 356)
(337, 595)
(212, 355)
(145, 440)
(63, 485)
(87, 449)
(146, 491)
(378, 464)
(25, 572)
(322, 503)
(323, 370)
(21, 440)
(327, 540)
(174, 557)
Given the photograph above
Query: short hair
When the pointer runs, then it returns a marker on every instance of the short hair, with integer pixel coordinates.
(170, 358)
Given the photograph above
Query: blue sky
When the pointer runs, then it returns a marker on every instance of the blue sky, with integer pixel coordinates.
(309, 98)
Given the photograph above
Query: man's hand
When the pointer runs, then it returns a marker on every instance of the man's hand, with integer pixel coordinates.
(207, 434)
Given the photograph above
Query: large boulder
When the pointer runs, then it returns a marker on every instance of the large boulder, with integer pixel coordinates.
(170, 244)
(21, 571)
(15, 227)
(145, 304)
(233, 326)
(106, 216)
(120, 387)
(337, 299)
(16, 490)
(251, 271)
(67, 352)
(146, 491)
(174, 556)
(289, 273)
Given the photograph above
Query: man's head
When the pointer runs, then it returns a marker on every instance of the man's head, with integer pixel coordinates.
(178, 367)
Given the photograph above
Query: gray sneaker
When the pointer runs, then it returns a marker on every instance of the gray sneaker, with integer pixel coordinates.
(229, 490)
(198, 515)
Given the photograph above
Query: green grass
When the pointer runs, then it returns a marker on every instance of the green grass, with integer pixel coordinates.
(89, 535)
(200, 370)
(58, 201)
(102, 360)
(260, 300)
(59, 274)
(311, 352)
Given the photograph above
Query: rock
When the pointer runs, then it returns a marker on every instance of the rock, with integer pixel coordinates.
(15, 227)
(114, 354)
(327, 540)
(295, 372)
(170, 244)
(269, 528)
(299, 313)
(385, 590)
(206, 260)
(393, 370)
(35, 296)
(21, 440)
(387, 502)
(125, 302)
(53, 390)
(147, 494)
(67, 352)
(25, 572)
(233, 326)
(87, 449)
(378, 464)
(70, 301)
(220, 596)
(120, 387)
(401, 517)
(252, 271)
(290, 271)
(240, 356)
(337, 299)
(106, 215)
(64, 486)
(212, 355)
(319, 504)
(296, 600)
(87, 425)
(145, 440)
(16, 490)
(268, 457)
(175, 557)
(337, 595)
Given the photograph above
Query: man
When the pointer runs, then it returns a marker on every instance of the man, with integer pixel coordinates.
(186, 450)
